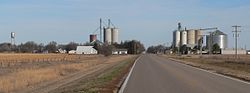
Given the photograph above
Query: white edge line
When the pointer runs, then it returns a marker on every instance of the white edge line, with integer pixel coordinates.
(121, 90)
(217, 74)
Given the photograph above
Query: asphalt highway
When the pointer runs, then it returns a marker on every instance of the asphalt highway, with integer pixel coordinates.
(153, 74)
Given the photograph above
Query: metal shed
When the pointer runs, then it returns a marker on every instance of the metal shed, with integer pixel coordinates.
(86, 50)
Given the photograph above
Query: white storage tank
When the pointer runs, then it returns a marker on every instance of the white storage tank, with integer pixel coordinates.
(115, 33)
(183, 37)
(12, 34)
(191, 37)
(176, 38)
(108, 35)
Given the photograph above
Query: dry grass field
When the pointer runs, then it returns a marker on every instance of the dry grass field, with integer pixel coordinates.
(20, 71)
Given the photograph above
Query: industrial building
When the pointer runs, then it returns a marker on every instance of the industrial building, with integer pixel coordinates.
(189, 37)
(109, 34)
(232, 51)
(194, 37)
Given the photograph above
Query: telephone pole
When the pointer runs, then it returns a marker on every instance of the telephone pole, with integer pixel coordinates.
(100, 29)
(210, 43)
(236, 35)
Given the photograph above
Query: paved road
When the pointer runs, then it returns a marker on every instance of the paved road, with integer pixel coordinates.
(153, 74)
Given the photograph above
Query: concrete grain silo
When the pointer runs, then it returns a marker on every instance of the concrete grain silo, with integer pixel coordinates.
(115, 35)
(191, 37)
(176, 38)
(183, 37)
(108, 35)
(198, 36)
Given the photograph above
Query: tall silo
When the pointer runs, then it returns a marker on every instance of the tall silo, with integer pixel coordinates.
(198, 36)
(208, 41)
(219, 38)
(183, 37)
(176, 38)
(191, 37)
(115, 32)
(108, 35)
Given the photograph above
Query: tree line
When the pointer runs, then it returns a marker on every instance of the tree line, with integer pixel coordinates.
(184, 49)
(133, 47)
(158, 49)
(32, 47)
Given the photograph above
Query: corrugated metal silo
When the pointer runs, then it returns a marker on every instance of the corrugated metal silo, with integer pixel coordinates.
(191, 37)
(115, 33)
(183, 37)
(219, 38)
(108, 35)
(176, 38)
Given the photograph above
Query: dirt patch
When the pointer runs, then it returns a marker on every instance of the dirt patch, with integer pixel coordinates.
(115, 83)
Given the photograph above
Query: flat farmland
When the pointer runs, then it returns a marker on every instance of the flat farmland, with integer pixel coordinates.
(27, 73)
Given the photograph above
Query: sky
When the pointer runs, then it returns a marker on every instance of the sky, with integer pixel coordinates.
(149, 21)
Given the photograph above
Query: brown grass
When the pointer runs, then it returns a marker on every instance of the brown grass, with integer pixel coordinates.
(29, 77)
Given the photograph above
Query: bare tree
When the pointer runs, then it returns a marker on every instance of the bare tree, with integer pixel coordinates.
(51, 47)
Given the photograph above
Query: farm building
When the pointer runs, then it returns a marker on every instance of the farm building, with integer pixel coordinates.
(86, 50)
(119, 51)
(72, 52)
(232, 51)
(248, 52)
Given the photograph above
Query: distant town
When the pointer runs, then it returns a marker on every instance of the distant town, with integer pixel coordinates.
(107, 44)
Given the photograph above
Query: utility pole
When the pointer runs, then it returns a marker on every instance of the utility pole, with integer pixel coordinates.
(100, 29)
(210, 43)
(201, 44)
(236, 35)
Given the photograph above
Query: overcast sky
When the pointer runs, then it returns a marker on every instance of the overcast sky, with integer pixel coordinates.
(150, 21)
